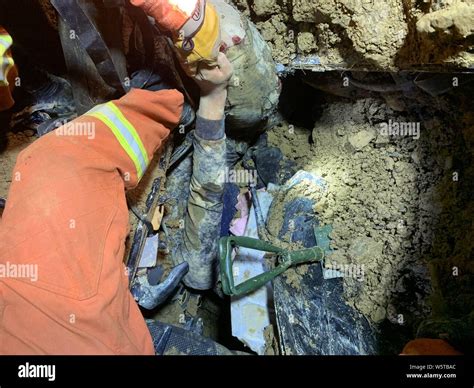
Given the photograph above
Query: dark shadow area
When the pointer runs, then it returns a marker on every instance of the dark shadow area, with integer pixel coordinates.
(300, 104)
(452, 255)
(34, 33)
(448, 153)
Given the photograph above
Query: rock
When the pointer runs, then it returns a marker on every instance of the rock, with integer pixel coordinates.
(457, 18)
(382, 140)
(321, 206)
(328, 214)
(338, 257)
(392, 225)
(402, 167)
(402, 230)
(361, 139)
(306, 42)
(415, 157)
(265, 7)
(365, 250)
(349, 181)
(379, 314)
(400, 285)
(389, 163)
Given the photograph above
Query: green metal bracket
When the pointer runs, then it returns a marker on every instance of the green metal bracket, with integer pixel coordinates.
(284, 257)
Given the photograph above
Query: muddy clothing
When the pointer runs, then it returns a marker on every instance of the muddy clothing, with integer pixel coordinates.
(8, 71)
(197, 242)
(63, 285)
(195, 190)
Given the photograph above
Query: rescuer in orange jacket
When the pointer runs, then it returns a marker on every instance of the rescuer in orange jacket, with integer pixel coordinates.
(63, 285)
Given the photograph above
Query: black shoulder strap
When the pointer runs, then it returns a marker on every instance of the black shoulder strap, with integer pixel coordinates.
(147, 32)
(91, 40)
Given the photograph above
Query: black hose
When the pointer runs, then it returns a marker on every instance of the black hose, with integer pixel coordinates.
(380, 88)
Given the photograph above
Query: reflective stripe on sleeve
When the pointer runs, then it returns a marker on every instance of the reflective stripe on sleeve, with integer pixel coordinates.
(5, 43)
(6, 64)
(6, 61)
(125, 133)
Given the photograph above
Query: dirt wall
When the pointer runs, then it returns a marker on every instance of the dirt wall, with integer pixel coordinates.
(366, 34)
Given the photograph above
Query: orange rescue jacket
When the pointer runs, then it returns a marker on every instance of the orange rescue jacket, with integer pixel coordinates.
(63, 285)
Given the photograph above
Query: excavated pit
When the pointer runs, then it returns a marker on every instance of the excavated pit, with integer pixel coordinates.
(401, 206)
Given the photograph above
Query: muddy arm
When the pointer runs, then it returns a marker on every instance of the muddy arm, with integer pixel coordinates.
(204, 209)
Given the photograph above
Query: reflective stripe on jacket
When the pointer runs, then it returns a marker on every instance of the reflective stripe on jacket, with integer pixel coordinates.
(66, 221)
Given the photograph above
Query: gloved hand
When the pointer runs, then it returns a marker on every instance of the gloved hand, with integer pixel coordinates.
(194, 25)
